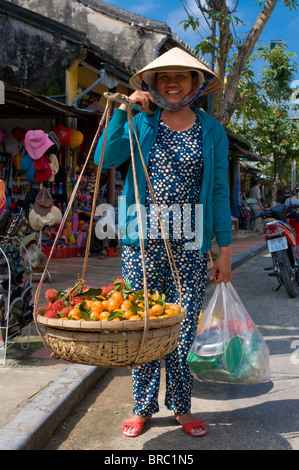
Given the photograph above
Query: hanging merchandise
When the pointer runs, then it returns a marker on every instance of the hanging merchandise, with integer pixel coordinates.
(27, 166)
(37, 143)
(53, 162)
(18, 133)
(63, 133)
(56, 144)
(43, 170)
(44, 212)
(227, 346)
(76, 139)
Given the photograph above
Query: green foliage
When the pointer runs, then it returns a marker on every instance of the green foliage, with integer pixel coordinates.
(266, 108)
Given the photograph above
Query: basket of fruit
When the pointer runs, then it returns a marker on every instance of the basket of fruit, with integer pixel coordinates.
(109, 326)
(104, 326)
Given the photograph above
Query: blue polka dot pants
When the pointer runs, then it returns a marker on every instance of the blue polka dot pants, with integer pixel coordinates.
(192, 269)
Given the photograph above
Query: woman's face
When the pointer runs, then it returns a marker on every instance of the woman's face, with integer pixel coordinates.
(174, 86)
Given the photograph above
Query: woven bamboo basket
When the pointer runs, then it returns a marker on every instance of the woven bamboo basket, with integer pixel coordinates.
(104, 343)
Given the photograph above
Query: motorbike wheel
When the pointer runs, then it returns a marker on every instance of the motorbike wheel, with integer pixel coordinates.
(288, 279)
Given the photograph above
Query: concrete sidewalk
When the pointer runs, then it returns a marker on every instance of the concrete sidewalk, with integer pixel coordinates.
(39, 391)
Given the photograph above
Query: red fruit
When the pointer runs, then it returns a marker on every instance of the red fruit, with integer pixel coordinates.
(76, 301)
(50, 314)
(49, 305)
(58, 305)
(110, 287)
(51, 294)
(104, 291)
(64, 312)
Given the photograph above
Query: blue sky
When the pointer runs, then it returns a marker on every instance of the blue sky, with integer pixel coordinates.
(283, 25)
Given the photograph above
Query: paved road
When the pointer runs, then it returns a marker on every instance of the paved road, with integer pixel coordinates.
(243, 417)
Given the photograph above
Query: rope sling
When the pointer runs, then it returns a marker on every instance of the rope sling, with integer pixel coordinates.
(103, 125)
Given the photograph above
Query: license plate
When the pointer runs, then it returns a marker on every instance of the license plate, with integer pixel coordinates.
(277, 244)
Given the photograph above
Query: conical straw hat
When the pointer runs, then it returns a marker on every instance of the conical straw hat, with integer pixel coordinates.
(175, 60)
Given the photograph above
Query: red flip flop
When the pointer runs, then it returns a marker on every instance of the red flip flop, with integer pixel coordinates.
(138, 425)
(194, 424)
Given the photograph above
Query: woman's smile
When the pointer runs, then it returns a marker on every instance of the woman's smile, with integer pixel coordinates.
(174, 86)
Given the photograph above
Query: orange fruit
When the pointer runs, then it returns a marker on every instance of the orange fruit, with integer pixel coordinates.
(175, 307)
(104, 315)
(116, 319)
(87, 304)
(97, 305)
(75, 317)
(125, 305)
(134, 317)
(170, 312)
(131, 297)
(75, 311)
(117, 296)
(94, 315)
(113, 304)
(127, 314)
(105, 304)
(157, 309)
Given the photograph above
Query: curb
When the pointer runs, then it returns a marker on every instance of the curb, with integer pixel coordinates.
(247, 255)
(38, 420)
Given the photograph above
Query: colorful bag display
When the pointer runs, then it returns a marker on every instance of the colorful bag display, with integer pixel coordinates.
(227, 346)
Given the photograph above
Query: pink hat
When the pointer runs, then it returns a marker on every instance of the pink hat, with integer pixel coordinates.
(37, 143)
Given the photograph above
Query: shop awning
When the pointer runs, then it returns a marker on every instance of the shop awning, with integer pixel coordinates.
(23, 103)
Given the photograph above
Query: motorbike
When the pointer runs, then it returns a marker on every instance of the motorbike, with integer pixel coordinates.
(282, 237)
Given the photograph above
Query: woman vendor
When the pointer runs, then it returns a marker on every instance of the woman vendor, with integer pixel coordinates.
(186, 154)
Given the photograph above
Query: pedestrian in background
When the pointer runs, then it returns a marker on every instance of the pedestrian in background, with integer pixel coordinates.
(256, 206)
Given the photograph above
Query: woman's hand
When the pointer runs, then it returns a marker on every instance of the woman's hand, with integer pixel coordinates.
(221, 271)
(139, 97)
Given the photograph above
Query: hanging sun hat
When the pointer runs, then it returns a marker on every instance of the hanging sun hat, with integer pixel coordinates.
(37, 143)
(43, 202)
(38, 221)
(53, 162)
(56, 144)
(176, 60)
(27, 166)
(43, 170)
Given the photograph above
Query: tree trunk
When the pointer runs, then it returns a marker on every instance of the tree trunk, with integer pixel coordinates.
(244, 53)
(224, 44)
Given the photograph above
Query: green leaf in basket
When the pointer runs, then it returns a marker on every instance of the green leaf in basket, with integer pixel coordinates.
(92, 292)
(61, 293)
(135, 309)
(127, 286)
(118, 286)
(115, 314)
(85, 314)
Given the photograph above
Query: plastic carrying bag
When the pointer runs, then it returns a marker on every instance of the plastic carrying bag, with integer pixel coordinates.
(227, 346)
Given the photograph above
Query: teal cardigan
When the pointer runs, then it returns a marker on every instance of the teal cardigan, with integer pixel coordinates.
(214, 195)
